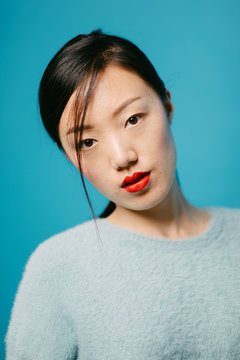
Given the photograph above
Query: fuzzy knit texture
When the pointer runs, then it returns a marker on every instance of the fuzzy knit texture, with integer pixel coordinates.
(136, 297)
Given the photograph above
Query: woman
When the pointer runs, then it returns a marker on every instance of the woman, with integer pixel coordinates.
(167, 283)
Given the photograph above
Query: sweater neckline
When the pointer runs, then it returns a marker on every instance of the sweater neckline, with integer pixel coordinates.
(208, 235)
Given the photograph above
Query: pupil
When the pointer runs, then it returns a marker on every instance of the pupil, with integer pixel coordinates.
(88, 142)
(133, 120)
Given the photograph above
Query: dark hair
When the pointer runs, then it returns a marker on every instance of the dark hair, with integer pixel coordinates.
(76, 67)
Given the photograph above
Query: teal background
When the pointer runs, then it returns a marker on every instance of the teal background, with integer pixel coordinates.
(195, 48)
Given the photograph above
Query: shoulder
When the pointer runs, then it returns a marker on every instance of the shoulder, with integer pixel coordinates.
(80, 234)
(229, 219)
(232, 219)
(70, 245)
(230, 214)
(235, 212)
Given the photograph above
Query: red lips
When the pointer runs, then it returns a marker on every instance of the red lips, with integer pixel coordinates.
(135, 177)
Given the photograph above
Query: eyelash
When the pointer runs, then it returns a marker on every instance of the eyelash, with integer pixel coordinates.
(80, 145)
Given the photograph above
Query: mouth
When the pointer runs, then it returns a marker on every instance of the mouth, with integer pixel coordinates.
(136, 182)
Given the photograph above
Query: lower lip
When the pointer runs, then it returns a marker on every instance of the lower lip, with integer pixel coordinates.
(139, 185)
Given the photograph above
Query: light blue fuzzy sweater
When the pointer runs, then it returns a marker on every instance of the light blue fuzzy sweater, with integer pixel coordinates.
(140, 298)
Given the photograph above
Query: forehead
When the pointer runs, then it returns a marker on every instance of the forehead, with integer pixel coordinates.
(114, 86)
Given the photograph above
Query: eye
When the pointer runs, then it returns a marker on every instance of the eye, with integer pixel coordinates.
(85, 144)
(133, 120)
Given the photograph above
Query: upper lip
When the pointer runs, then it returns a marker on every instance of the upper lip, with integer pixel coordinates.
(134, 177)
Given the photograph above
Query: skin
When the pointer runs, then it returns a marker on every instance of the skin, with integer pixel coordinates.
(123, 144)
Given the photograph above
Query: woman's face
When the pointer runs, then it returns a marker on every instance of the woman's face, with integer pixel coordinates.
(127, 131)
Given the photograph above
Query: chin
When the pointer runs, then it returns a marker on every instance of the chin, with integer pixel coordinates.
(142, 205)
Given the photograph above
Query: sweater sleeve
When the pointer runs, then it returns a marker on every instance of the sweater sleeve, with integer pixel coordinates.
(38, 329)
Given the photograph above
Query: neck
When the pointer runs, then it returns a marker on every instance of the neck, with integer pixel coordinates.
(173, 218)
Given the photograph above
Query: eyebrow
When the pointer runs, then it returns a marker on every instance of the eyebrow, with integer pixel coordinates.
(115, 113)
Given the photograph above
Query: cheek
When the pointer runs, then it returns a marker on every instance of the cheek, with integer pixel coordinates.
(93, 173)
(160, 140)
(163, 151)
(88, 171)
(168, 148)
(166, 141)
(99, 178)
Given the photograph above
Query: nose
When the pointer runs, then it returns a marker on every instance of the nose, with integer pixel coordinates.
(122, 153)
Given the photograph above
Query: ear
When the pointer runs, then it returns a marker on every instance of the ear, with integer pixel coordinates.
(169, 106)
